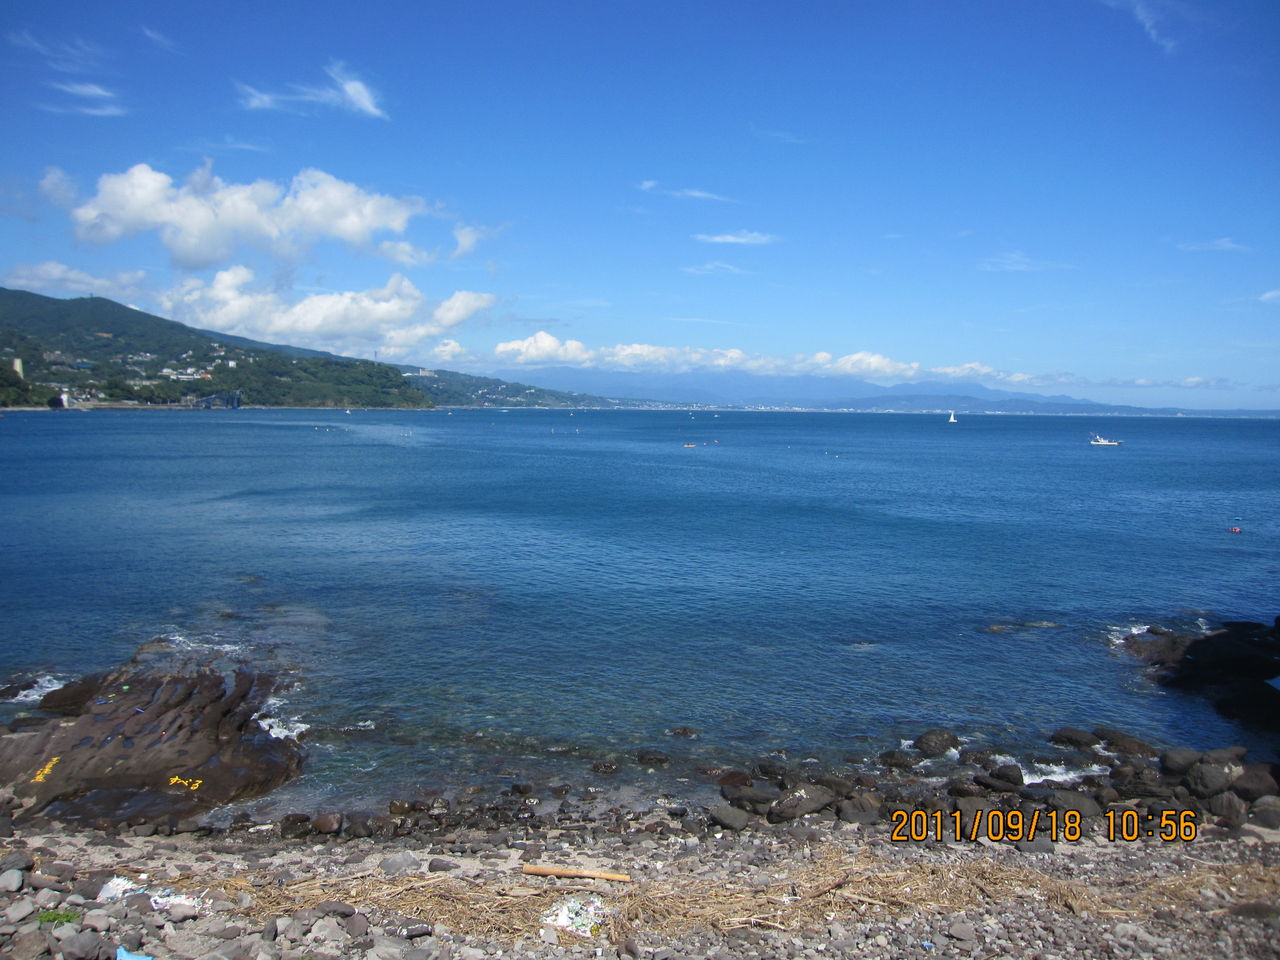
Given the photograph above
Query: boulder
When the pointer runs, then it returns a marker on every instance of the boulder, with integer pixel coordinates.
(934, 743)
(800, 800)
(1266, 812)
(327, 823)
(1178, 761)
(1074, 737)
(165, 735)
(651, 758)
(1230, 810)
(1205, 779)
(899, 759)
(1255, 782)
(731, 818)
(1010, 773)
(1082, 803)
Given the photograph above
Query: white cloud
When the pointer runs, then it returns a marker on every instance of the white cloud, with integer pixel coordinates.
(393, 319)
(747, 237)
(91, 90)
(347, 92)
(1271, 296)
(59, 277)
(714, 267)
(202, 222)
(159, 39)
(1222, 244)
(74, 56)
(1144, 11)
(686, 193)
(543, 348)
(451, 351)
(1015, 261)
(405, 253)
(58, 187)
(467, 238)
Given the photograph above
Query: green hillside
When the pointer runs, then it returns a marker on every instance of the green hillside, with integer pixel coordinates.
(98, 350)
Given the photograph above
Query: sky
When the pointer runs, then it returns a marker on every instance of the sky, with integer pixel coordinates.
(1076, 197)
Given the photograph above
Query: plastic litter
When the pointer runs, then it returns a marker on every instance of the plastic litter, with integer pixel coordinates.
(123, 954)
(584, 916)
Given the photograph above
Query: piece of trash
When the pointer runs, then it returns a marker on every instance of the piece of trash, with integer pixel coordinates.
(585, 916)
(123, 954)
(927, 944)
(117, 887)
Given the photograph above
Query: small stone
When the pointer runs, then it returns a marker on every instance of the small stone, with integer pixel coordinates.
(82, 946)
(549, 935)
(96, 920)
(29, 946)
(336, 908)
(11, 881)
(440, 865)
(19, 910)
(403, 862)
(181, 912)
(962, 931)
(328, 929)
(327, 823)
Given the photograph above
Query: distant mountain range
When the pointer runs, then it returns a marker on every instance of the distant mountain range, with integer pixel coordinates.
(96, 349)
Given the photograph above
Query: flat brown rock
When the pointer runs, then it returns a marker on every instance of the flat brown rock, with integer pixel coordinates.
(154, 738)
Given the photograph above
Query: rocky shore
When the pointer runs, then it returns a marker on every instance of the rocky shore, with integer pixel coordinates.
(929, 850)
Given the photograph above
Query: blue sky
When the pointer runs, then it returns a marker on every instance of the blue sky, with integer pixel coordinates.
(1058, 196)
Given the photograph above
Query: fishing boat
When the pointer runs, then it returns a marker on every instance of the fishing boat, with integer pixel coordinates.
(1099, 441)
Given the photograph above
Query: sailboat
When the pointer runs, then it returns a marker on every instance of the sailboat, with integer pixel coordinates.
(953, 418)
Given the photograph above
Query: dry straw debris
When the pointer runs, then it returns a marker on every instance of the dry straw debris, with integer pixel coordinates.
(836, 884)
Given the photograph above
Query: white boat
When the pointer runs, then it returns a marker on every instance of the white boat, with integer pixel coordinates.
(953, 418)
(1099, 441)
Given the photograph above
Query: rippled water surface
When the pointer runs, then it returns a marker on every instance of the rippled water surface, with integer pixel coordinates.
(482, 596)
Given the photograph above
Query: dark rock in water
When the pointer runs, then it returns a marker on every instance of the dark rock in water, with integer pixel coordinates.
(1227, 755)
(1074, 737)
(158, 737)
(687, 733)
(1256, 782)
(651, 758)
(799, 801)
(771, 770)
(735, 778)
(11, 691)
(837, 785)
(1010, 773)
(1124, 743)
(604, 766)
(899, 759)
(934, 743)
(978, 756)
(731, 818)
(1178, 761)
(1229, 666)
(996, 783)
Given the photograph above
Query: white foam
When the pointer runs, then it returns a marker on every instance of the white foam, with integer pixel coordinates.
(44, 684)
(279, 727)
(1118, 633)
(1061, 772)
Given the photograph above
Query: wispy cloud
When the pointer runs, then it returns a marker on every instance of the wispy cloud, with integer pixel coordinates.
(1015, 261)
(714, 267)
(686, 193)
(1148, 15)
(159, 39)
(1222, 244)
(93, 100)
(59, 277)
(777, 136)
(346, 92)
(1271, 296)
(71, 56)
(742, 237)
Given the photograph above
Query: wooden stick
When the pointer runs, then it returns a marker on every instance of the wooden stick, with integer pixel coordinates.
(539, 870)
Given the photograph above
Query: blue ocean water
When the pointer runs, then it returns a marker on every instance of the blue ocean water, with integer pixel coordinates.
(480, 596)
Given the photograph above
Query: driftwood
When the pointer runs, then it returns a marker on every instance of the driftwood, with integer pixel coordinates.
(538, 870)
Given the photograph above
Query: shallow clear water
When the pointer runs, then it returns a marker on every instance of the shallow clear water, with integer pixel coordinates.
(487, 596)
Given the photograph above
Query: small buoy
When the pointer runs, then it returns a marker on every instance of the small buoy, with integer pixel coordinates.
(1236, 530)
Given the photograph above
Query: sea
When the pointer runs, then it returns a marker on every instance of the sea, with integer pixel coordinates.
(479, 598)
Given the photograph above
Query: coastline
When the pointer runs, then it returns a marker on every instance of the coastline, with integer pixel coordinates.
(1170, 853)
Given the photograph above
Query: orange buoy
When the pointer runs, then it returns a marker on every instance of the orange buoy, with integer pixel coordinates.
(1236, 530)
